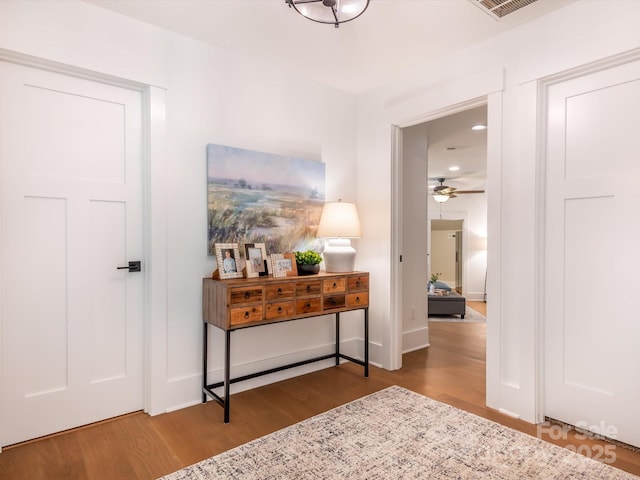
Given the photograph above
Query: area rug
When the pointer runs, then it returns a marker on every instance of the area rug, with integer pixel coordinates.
(398, 434)
(470, 316)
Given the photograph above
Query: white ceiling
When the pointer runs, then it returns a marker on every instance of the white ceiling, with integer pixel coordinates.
(389, 39)
(452, 143)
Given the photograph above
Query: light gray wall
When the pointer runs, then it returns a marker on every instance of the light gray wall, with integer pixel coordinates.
(414, 237)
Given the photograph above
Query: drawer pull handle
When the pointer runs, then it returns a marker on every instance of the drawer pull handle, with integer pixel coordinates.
(334, 285)
(308, 288)
(279, 291)
(308, 305)
(358, 283)
(279, 309)
(247, 294)
(246, 314)
(358, 299)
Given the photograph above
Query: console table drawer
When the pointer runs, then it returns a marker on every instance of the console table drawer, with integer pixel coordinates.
(308, 288)
(245, 295)
(358, 299)
(279, 310)
(246, 315)
(308, 305)
(279, 291)
(334, 286)
(241, 303)
(332, 302)
(358, 283)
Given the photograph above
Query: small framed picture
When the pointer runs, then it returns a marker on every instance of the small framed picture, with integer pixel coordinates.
(255, 255)
(228, 258)
(284, 265)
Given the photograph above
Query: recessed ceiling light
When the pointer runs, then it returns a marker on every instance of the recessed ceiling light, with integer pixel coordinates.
(454, 169)
(479, 126)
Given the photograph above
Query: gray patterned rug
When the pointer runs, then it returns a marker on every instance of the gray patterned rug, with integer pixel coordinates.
(398, 434)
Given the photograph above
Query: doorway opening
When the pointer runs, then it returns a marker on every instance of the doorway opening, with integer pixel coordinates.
(445, 250)
(445, 152)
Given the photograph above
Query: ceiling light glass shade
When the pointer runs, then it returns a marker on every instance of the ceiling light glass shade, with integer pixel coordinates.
(479, 126)
(339, 222)
(441, 198)
(329, 11)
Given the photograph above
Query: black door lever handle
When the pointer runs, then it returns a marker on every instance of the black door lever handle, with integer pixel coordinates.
(134, 266)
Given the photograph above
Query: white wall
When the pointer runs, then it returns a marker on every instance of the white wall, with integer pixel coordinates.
(503, 70)
(415, 331)
(211, 97)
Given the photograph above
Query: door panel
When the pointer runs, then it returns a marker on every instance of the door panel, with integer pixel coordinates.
(592, 363)
(71, 213)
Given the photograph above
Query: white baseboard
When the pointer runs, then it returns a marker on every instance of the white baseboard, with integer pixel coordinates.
(186, 391)
(475, 296)
(415, 339)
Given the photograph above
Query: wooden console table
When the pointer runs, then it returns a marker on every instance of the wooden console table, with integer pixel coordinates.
(231, 305)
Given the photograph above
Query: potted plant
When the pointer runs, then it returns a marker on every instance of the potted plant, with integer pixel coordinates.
(308, 262)
(433, 280)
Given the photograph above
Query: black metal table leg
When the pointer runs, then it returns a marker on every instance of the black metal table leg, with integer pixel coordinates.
(204, 362)
(337, 338)
(366, 342)
(227, 368)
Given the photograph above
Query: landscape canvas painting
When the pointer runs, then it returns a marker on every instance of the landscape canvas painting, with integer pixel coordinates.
(255, 197)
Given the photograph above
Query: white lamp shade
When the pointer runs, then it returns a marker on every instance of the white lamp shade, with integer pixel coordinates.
(339, 220)
(440, 198)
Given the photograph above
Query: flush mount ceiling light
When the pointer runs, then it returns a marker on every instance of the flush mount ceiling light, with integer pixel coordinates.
(329, 11)
(478, 127)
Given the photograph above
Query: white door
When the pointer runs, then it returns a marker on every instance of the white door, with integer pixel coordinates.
(70, 214)
(592, 245)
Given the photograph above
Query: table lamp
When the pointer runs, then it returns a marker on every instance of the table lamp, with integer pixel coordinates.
(338, 223)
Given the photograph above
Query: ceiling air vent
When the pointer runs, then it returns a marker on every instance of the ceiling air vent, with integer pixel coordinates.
(501, 8)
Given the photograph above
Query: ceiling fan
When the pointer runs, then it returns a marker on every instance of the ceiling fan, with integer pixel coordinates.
(442, 193)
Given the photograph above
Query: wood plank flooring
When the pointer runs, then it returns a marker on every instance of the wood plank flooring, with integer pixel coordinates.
(137, 446)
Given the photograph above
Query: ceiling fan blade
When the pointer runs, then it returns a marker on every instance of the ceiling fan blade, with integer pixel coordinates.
(469, 191)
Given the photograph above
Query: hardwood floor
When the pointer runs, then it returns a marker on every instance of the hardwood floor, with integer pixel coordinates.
(137, 446)
(480, 307)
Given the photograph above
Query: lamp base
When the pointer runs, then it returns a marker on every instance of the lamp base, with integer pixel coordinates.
(339, 256)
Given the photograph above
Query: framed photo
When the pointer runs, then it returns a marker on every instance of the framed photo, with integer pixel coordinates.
(228, 258)
(284, 265)
(255, 255)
